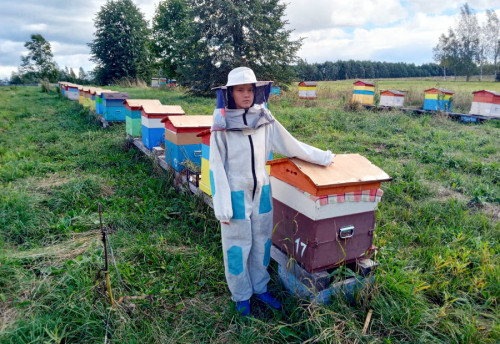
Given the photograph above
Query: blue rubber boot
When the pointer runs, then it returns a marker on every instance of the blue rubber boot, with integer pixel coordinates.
(267, 298)
(243, 307)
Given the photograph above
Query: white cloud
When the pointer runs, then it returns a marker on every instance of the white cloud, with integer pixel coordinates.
(75, 61)
(411, 41)
(363, 12)
(441, 6)
(40, 28)
(387, 30)
(305, 15)
(6, 71)
(8, 46)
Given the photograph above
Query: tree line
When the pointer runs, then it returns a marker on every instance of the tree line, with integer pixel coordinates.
(198, 42)
(470, 45)
(352, 69)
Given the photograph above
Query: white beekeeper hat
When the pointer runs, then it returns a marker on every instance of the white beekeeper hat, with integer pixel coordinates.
(240, 76)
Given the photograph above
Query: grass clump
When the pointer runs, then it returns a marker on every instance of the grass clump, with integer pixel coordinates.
(45, 86)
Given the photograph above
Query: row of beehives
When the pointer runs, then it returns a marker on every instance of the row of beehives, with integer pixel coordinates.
(323, 216)
(159, 82)
(485, 103)
(148, 119)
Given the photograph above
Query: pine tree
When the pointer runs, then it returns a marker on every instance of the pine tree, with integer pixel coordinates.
(72, 75)
(39, 64)
(224, 34)
(82, 77)
(120, 44)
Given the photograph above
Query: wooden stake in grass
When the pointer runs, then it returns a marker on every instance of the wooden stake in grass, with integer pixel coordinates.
(367, 322)
(106, 269)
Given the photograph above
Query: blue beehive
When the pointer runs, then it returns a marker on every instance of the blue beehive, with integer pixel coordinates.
(113, 107)
(438, 99)
(182, 143)
(99, 105)
(153, 130)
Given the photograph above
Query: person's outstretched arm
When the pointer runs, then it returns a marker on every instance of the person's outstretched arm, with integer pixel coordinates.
(284, 143)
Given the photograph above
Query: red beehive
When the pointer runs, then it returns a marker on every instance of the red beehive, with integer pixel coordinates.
(486, 103)
(325, 216)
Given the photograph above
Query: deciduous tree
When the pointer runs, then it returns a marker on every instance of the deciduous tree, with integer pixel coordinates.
(173, 30)
(39, 64)
(446, 52)
(467, 33)
(492, 38)
(120, 41)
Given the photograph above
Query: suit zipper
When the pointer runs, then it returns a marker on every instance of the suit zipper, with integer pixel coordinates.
(252, 156)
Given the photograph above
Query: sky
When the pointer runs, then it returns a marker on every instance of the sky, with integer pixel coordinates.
(377, 30)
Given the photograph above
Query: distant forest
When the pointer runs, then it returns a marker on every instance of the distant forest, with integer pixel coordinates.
(352, 69)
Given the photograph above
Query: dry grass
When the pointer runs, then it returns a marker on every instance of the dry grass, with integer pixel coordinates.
(51, 180)
(8, 316)
(61, 252)
(130, 82)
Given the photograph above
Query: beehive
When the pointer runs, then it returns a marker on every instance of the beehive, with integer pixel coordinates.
(392, 98)
(486, 103)
(113, 107)
(133, 107)
(99, 104)
(182, 145)
(153, 130)
(325, 216)
(206, 176)
(87, 97)
(307, 89)
(81, 94)
(72, 92)
(154, 82)
(62, 87)
(93, 98)
(438, 99)
(162, 82)
(363, 92)
(275, 90)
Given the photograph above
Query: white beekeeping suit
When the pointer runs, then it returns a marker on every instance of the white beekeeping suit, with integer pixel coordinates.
(240, 145)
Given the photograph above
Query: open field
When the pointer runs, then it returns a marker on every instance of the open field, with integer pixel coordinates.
(438, 229)
(413, 88)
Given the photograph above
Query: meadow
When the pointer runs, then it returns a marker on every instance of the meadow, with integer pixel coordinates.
(437, 230)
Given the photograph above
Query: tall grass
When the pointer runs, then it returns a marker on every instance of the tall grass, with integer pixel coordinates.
(437, 228)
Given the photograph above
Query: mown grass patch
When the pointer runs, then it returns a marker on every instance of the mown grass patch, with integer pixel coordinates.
(437, 229)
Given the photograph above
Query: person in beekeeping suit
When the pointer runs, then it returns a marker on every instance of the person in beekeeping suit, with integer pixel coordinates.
(244, 133)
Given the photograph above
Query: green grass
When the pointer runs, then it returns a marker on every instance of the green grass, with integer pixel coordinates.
(437, 228)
